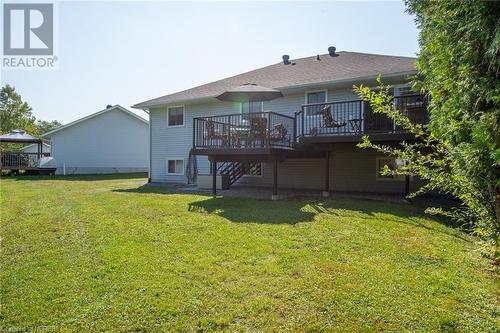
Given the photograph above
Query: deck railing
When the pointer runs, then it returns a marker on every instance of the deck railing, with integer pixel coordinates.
(270, 129)
(19, 160)
(356, 117)
(249, 130)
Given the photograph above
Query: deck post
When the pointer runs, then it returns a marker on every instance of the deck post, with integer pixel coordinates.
(294, 129)
(326, 191)
(407, 185)
(214, 177)
(275, 180)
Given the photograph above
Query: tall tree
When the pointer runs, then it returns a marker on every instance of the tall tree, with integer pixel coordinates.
(43, 126)
(14, 112)
(459, 65)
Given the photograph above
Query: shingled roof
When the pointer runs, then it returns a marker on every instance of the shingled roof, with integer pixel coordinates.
(304, 72)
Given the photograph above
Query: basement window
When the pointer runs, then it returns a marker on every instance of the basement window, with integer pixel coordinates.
(175, 167)
(392, 164)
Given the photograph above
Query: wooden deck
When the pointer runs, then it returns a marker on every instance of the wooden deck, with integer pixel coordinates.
(269, 133)
(20, 160)
(257, 154)
(354, 138)
(232, 142)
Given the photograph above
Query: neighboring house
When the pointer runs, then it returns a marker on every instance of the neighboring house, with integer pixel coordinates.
(109, 141)
(34, 149)
(309, 138)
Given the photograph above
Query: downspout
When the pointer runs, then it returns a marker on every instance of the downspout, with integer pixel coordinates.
(149, 143)
(150, 149)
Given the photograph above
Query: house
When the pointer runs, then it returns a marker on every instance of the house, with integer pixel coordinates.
(113, 140)
(33, 149)
(306, 138)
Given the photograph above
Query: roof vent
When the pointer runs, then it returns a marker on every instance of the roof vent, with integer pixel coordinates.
(109, 106)
(331, 51)
(317, 57)
(286, 59)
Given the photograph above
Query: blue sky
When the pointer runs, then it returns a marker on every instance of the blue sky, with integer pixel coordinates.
(127, 52)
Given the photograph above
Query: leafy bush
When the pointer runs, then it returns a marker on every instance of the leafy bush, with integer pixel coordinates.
(459, 68)
(438, 163)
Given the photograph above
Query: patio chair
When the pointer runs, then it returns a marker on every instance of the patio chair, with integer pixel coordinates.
(239, 137)
(212, 134)
(356, 125)
(258, 129)
(279, 134)
(328, 121)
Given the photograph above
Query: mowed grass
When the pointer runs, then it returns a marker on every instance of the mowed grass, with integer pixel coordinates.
(101, 254)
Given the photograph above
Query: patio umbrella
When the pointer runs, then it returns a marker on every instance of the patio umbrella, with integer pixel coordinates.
(249, 93)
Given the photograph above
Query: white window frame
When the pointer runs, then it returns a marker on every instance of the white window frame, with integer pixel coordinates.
(379, 177)
(396, 92)
(183, 115)
(397, 88)
(314, 91)
(261, 106)
(175, 159)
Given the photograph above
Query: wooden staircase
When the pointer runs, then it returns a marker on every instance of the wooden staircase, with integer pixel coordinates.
(235, 170)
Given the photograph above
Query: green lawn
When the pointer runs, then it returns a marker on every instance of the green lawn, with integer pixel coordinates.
(102, 254)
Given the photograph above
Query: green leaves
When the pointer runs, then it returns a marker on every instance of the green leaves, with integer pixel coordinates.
(16, 114)
(459, 65)
(436, 157)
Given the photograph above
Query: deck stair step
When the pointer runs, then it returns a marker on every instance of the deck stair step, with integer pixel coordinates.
(235, 170)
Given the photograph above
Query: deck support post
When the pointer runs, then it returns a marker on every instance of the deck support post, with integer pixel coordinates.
(326, 190)
(275, 180)
(214, 177)
(407, 185)
(40, 147)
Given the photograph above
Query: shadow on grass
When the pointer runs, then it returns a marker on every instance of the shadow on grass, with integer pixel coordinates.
(89, 177)
(303, 209)
(244, 210)
(300, 210)
(154, 189)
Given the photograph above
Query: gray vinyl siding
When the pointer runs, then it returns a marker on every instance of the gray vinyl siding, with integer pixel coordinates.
(292, 173)
(354, 169)
(34, 148)
(351, 170)
(288, 105)
(175, 142)
(111, 142)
